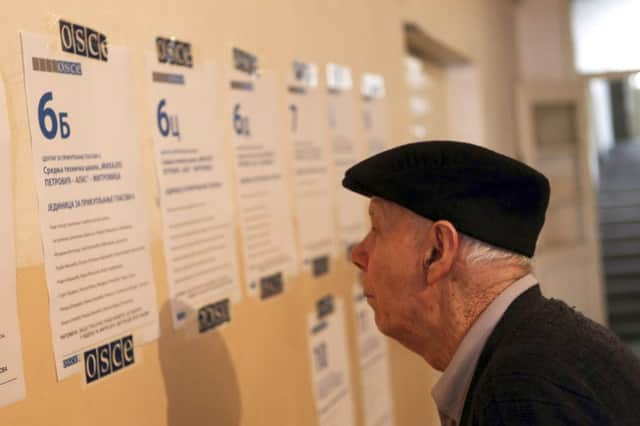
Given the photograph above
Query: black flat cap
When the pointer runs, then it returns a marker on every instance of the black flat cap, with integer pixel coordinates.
(485, 195)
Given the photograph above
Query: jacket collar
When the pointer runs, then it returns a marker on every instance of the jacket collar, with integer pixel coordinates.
(528, 302)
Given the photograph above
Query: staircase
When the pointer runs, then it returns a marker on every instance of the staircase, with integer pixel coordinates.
(619, 204)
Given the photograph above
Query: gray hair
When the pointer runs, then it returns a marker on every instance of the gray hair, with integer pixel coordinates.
(474, 251)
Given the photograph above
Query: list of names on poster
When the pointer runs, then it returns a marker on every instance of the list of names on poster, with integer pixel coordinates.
(374, 365)
(346, 151)
(311, 170)
(11, 375)
(330, 375)
(88, 173)
(374, 117)
(196, 202)
(263, 198)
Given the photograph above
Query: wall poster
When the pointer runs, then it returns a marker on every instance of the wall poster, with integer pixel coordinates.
(196, 202)
(88, 173)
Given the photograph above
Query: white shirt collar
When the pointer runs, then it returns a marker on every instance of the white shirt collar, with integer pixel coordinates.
(450, 391)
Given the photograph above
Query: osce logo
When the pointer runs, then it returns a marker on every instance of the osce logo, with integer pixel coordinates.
(271, 285)
(213, 315)
(52, 65)
(108, 358)
(68, 362)
(245, 61)
(83, 41)
(175, 52)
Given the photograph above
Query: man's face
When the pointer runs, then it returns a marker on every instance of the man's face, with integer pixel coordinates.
(390, 257)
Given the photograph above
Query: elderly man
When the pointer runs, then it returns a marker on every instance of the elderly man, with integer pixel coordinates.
(446, 269)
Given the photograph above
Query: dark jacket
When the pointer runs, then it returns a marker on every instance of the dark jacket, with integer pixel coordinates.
(545, 364)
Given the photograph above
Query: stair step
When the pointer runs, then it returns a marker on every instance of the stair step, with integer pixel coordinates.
(627, 214)
(626, 330)
(616, 259)
(624, 321)
(620, 167)
(622, 288)
(613, 231)
(609, 199)
(621, 157)
(622, 266)
(626, 264)
(618, 187)
(629, 307)
(622, 277)
(621, 247)
(625, 148)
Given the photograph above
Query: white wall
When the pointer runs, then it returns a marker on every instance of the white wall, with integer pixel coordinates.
(601, 118)
(606, 34)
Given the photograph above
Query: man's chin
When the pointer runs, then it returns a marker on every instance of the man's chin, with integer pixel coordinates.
(371, 301)
(381, 325)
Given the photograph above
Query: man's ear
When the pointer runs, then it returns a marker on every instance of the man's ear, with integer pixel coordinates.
(443, 239)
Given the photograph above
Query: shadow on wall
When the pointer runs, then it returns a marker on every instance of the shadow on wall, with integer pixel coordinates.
(199, 376)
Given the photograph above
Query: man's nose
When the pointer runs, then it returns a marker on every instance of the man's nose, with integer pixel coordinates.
(359, 256)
